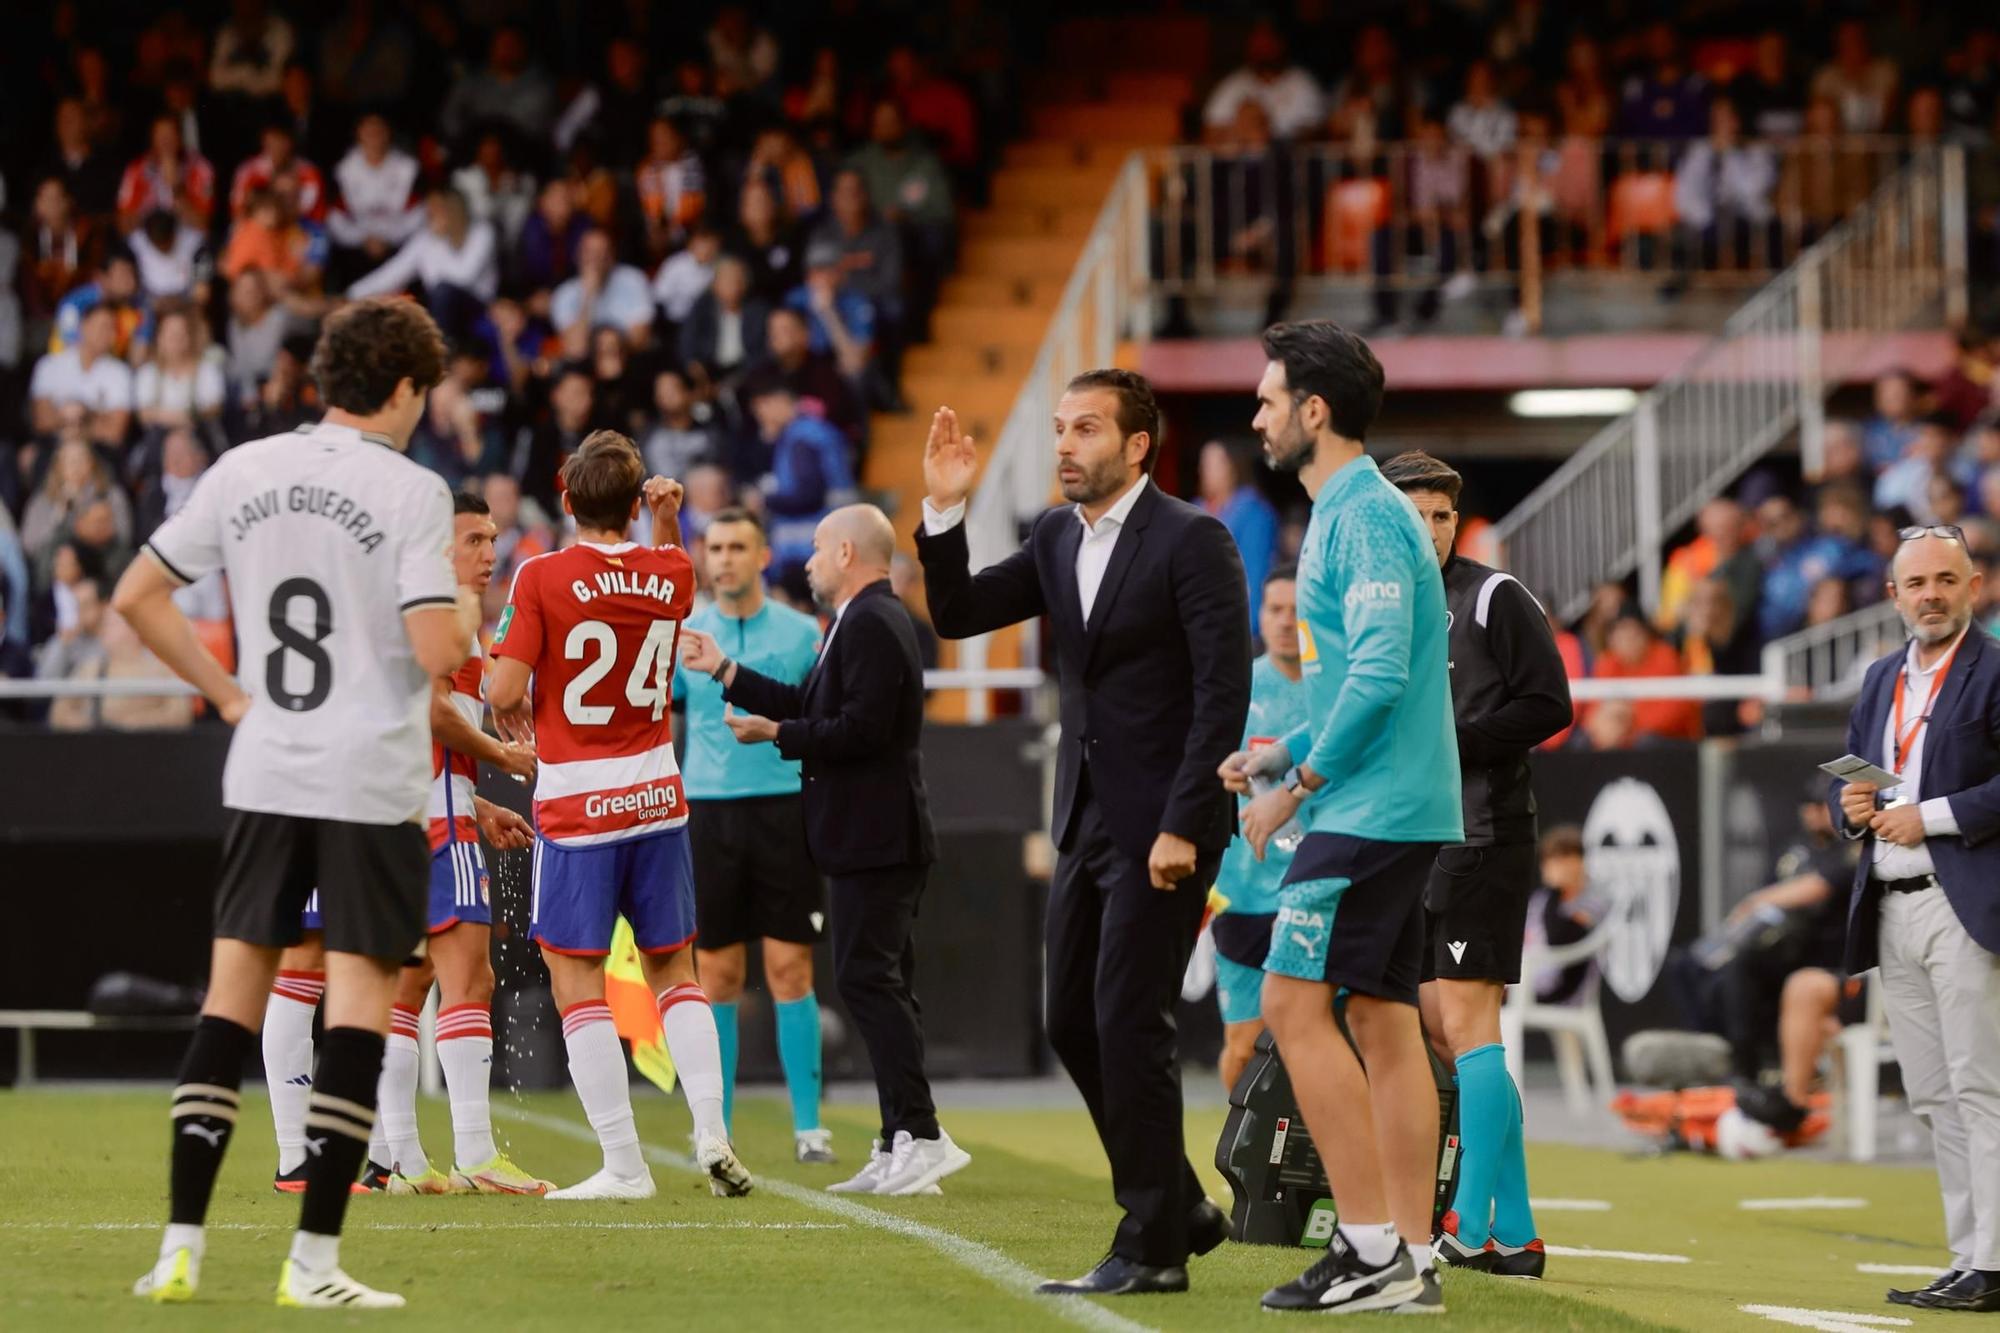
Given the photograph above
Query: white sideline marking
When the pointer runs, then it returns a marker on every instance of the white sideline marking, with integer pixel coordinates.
(982, 1260)
(1900, 1270)
(1827, 1321)
(1633, 1256)
(1569, 1205)
(1786, 1205)
(447, 1226)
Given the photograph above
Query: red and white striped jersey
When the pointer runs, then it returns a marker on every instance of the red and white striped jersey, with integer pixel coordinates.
(453, 775)
(600, 628)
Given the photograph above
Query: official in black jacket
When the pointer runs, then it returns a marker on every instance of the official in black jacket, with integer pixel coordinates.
(855, 725)
(1150, 618)
(1509, 693)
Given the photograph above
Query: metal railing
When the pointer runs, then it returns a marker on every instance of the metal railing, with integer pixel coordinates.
(1413, 214)
(1608, 509)
(1104, 302)
(1828, 660)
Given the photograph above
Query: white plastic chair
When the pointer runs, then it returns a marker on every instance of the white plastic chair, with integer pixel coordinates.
(1857, 1057)
(1575, 1027)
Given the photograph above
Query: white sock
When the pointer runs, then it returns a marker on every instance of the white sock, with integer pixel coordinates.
(690, 1028)
(1420, 1255)
(288, 1060)
(465, 1049)
(189, 1236)
(315, 1253)
(597, 1067)
(1373, 1242)
(396, 1096)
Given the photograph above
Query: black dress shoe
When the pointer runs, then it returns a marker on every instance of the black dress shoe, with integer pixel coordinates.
(1120, 1277)
(1938, 1283)
(1208, 1227)
(1976, 1291)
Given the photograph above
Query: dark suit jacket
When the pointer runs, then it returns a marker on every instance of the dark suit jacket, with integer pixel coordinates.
(1155, 690)
(698, 335)
(1961, 761)
(856, 722)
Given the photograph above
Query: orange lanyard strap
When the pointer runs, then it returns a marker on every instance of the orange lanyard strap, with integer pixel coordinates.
(1907, 740)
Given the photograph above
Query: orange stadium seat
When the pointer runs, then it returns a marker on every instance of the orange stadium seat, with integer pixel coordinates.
(1354, 209)
(1642, 203)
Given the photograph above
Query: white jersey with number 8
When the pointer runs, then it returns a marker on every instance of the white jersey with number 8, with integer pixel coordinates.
(328, 536)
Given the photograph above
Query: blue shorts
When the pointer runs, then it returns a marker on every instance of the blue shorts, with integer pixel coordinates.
(580, 892)
(459, 890)
(1239, 991)
(1351, 913)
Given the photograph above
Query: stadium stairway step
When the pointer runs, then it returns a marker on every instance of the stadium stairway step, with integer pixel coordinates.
(990, 289)
(1054, 220)
(1051, 187)
(1151, 122)
(986, 325)
(1071, 154)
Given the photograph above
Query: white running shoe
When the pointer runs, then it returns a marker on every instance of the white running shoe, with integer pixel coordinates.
(726, 1177)
(172, 1279)
(606, 1185)
(917, 1164)
(865, 1180)
(299, 1289)
(814, 1147)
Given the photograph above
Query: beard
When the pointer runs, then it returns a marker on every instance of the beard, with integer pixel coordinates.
(1291, 449)
(1098, 482)
(1938, 631)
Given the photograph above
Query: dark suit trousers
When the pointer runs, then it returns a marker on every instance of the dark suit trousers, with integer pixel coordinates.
(874, 968)
(1117, 950)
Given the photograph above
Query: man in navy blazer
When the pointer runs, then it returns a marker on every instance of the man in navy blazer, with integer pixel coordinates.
(1926, 899)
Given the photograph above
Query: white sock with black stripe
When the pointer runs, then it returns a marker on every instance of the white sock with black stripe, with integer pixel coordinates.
(396, 1097)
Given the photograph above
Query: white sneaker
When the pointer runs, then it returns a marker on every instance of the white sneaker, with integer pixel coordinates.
(916, 1164)
(607, 1185)
(865, 1180)
(814, 1147)
(172, 1280)
(299, 1289)
(726, 1177)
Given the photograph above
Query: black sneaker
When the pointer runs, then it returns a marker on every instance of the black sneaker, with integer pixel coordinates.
(374, 1180)
(1429, 1301)
(1527, 1261)
(1340, 1283)
(1455, 1253)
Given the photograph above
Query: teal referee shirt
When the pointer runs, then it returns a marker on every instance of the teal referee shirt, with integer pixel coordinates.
(777, 642)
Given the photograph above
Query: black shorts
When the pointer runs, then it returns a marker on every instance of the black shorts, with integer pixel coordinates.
(753, 877)
(1476, 912)
(1351, 913)
(373, 882)
(1242, 937)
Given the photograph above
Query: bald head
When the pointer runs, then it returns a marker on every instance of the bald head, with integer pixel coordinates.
(852, 548)
(1935, 585)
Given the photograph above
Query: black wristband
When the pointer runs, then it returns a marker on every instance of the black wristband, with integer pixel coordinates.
(722, 670)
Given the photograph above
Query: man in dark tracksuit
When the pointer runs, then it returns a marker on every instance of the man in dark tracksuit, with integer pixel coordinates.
(1509, 693)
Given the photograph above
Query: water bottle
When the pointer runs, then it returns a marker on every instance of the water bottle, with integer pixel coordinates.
(1287, 838)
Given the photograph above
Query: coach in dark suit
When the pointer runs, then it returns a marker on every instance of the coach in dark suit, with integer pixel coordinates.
(1926, 899)
(1151, 623)
(855, 725)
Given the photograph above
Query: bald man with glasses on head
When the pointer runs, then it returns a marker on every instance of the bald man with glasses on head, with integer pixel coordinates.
(1926, 898)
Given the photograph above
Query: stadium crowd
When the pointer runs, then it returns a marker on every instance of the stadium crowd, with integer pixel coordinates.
(711, 231)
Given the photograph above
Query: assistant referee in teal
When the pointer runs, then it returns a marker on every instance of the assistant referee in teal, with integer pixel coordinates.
(753, 876)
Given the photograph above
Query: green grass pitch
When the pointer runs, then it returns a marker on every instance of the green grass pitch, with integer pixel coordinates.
(82, 1177)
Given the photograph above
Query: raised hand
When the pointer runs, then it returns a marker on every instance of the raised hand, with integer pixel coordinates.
(951, 462)
(700, 652)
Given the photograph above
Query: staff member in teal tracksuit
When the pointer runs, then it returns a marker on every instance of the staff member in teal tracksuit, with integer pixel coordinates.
(753, 877)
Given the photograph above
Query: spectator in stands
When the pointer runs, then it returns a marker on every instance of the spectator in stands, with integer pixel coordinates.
(508, 89)
(908, 187)
(871, 254)
(85, 387)
(75, 648)
(708, 494)
(452, 439)
(125, 658)
(1720, 549)
(1668, 100)
(1843, 458)
(1946, 499)
(1480, 121)
(1795, 558)
(616, 108)
(169, 175)
(1966, 390)
(1830, 599)
(906, 580)
(540, 448)
(1575, 666)
(767, 242)
(495, 190)
(168, 463)
(1771, 94)
(603, 294)
(1609, 724)
(1905, 483)
(85, 166)
(79, 481)
(256, 327)
(617, 396)
(14, 592)
(1562, 912)
(1228, 492)
(252, 48)
(522, 533)
(116, 290)
(742, 52)
(1973, 89)
(1716, 639)
(1608, 601)
(1842, 512)
(812, 376)
(1859, 82)
(840, 319)
(684, 434)
(687, 275)
(808, 476)
(1288, 93)
(268, 238)
(172, 259)
(673, 193)
(1722, 198)
(378, 210)
(279, 159)
(794, 175)
(1979, 454)
(61, 254)
(726, 327)
(454, 260)
(1889, 432)
(546, 255)
(180, 386)
(937, 108)
(514, 341)
(1634, 648)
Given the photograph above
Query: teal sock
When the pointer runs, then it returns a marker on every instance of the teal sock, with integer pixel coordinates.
(1486, 1105)
(725, 1038)
(798, 1051)
(1513, 1218)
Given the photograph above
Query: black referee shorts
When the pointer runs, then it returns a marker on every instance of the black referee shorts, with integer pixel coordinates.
(1476, 912)
(373, 881)
(753, 877)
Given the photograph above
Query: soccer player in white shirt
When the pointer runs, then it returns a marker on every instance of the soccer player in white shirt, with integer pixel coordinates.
(335, 546)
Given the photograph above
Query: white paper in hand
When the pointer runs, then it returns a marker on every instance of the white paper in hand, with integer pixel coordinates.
(1853, 768)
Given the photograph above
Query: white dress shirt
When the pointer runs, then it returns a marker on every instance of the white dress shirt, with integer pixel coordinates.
(432, 259)
(1891, 861)
(1092, 558)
